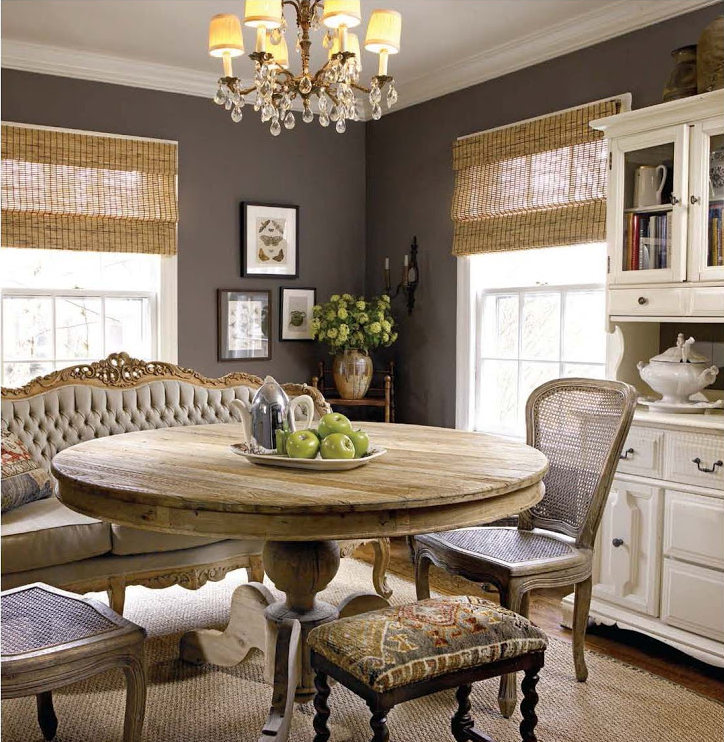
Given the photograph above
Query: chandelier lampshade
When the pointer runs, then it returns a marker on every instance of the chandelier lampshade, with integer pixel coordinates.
(225, 36)
(383, 32)
(352, 46)
(263, 13)
(280, 52)
(341, 13)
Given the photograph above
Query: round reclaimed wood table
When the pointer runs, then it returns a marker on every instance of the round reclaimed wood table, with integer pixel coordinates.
(186, 480)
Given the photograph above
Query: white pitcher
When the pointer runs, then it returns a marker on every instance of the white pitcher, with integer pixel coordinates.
(648, 186)
(271, 410)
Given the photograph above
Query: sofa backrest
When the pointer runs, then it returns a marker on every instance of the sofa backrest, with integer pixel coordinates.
(121, 394)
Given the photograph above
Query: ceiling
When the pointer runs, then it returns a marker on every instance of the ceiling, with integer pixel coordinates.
(446, 44)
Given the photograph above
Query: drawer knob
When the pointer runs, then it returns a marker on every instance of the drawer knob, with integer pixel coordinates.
(697, 461)
(626, 453)
(617, 542)
(643, 300)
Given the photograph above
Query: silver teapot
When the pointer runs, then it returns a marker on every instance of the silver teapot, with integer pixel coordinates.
(271, 410)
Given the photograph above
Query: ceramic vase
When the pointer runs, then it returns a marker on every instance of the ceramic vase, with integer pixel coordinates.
(710, 57)
(682, 82)
(352, 372)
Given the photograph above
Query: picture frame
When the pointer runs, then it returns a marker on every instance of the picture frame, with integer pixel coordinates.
(269, 240)
(244, 324)
(295, 313)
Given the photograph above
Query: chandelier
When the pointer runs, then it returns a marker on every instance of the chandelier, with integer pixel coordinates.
(335, 86)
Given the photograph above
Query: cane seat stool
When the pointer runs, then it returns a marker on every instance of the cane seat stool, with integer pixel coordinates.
(51, 638)
(396, 654)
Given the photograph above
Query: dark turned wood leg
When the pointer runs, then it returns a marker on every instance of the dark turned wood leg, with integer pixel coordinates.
(322, 709)
(462, 722)
(378, 723)
(47, 719)
(422, 577)
(527, 706)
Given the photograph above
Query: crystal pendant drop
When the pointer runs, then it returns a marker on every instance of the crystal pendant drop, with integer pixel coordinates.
(221, 95)
(236, 115)
(323, 119)
(307, 116)
(289, 121)
(275, 128)
(341, 126)
(322, 103)
(305, 85)
(334, 113)
(275, 36)
(377, 112)
(391, 95)
(257, 102)
(375, 95)
(267, 111)
(265, 88)
(228, 104)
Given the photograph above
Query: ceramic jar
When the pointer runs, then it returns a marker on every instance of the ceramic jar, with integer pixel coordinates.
(352, 372)
(682, 82)
(710, 57)
(678, 372)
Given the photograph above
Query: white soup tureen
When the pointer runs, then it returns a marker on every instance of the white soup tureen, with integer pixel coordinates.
(678, 372)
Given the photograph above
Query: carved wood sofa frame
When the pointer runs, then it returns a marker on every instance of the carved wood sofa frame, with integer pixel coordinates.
(121, 372)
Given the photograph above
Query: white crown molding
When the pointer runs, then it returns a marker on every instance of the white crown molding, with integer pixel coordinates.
(554, 41)
(586, 30)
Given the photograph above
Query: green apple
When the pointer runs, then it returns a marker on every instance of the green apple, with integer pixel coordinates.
(333, 422)
(302, 445)
(337, 446)
(360, 441)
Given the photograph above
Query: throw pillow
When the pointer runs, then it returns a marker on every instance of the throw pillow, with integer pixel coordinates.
(23, 479)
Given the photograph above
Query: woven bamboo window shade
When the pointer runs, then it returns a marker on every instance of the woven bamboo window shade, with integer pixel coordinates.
(540, 183)
(67, 190)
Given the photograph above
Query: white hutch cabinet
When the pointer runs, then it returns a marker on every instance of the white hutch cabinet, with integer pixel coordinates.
(659, 565)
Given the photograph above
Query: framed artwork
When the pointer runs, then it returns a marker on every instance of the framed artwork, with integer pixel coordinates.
(269, 240)
(244, 325)
(295, 313)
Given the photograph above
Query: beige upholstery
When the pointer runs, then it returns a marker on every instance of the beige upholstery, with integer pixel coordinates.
(125, 540)
(45, 533)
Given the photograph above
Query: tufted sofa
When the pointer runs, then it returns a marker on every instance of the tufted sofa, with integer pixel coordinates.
(47, 542)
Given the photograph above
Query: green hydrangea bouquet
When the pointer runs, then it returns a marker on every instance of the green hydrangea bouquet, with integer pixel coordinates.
(349, 322)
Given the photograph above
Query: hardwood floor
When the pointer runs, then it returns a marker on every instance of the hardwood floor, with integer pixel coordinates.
(627, 646)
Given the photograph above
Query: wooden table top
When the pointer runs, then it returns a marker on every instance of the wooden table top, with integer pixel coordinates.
(186, 480)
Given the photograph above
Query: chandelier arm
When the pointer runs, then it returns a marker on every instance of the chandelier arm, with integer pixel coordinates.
(294, 5)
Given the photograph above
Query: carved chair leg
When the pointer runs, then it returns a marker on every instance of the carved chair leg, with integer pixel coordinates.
(527, 706)
(321, 717)
(379, 571)
(255, 570)
(511, 598)
(47, 719)
(462, 722)
(116, 593)
(378, 723)
(135, 698)
(581, 606)
(422, 577)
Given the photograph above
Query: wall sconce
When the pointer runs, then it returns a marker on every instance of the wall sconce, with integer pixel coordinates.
(410, 277)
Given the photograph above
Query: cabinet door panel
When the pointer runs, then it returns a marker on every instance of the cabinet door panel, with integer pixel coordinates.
(694, 528)
(693, 599)
(628, 547)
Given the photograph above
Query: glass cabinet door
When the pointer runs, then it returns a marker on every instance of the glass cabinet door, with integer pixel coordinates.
(706, 208)
(648, 187)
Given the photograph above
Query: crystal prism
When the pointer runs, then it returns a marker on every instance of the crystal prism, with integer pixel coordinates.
(236, 115)
(275, 128)
(289, 121)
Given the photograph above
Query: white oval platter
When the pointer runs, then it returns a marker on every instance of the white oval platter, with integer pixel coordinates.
(318, 464)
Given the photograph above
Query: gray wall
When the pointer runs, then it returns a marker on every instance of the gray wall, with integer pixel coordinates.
(410, 183)
(220, 164)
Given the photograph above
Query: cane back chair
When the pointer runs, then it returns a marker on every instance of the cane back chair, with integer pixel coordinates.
(580, 425)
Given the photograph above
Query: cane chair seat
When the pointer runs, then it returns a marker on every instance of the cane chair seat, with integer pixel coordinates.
(519, 552)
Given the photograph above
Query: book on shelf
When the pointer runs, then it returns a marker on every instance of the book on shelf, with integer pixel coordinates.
(647, 244)
(716, 236)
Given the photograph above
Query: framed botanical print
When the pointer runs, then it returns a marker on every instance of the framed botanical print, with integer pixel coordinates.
(269, 240)
(295, 313)
(244, 325)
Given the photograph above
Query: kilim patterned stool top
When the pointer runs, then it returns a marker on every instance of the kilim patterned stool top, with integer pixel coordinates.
(396, 654)
(51, 638)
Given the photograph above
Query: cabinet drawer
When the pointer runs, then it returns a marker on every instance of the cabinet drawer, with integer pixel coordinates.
(693, 599)
(694, 528)
(647, 301)
(706, 302)
(643, 453)
(681, 450)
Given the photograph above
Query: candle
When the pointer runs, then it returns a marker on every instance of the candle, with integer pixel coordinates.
(387, 264)
(405, 260)
(404, 270)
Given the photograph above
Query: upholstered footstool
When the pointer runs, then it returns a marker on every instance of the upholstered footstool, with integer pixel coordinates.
(51, 638)
(396, 654)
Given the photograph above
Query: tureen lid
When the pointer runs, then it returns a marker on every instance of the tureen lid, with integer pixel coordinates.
(682, 352)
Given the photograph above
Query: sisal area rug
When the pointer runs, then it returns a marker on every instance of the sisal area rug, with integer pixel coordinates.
(209, 704)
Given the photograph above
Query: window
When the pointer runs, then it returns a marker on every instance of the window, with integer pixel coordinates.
(539, 315)
(62, 307)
